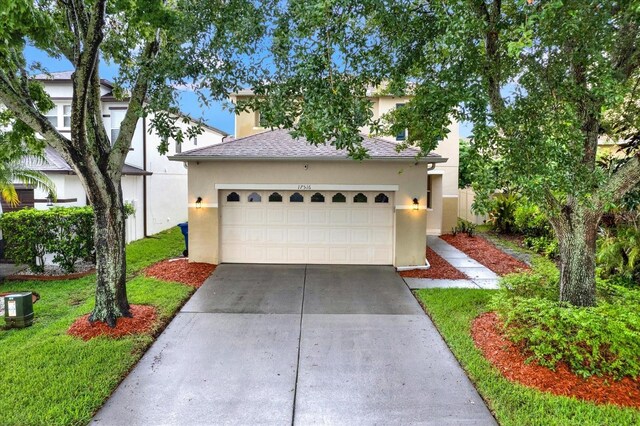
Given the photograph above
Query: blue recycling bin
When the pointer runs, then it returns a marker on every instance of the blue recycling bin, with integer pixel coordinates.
(184, 227)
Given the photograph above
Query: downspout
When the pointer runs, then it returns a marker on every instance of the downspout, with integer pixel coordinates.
(144, 176)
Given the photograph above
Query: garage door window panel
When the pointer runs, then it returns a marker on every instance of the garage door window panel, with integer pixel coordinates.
(233, 197)
(254, 197)
(339, 198)
(296, 197)
(382, 199)
(360, 198)
(317, 198)
(275, 198)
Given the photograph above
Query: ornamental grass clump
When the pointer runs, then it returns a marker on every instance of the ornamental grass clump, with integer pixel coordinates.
(599, 340)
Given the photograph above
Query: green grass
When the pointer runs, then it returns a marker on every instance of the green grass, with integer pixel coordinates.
(452, 310)
(51, 378)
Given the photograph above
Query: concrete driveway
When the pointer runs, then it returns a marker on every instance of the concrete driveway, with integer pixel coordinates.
(296, 344)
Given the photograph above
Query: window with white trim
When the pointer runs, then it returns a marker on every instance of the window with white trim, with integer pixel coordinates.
(117, 115)
(52, 116)
(429, 192)
(401, 136)
(66, 116)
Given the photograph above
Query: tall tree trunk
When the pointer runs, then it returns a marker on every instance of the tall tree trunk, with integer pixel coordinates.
(111, 293)
(576, 231)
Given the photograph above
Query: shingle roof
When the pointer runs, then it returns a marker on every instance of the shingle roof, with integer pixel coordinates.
(278, 144)
(54, 163)
(66, 76)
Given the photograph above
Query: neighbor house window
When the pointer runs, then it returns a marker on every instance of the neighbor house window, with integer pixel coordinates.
(117, 115)
(360, 198)
(260, 121)
(403, 134)
(317, 198)
(275, 198)
(339, 198)
(52, 116)
(296, 197)
(66, 116)
(178, 147)
(429, 192)
(195, 141)
(254, 197)
(233, 197)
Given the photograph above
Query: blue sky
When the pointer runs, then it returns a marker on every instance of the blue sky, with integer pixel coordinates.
(215, 114)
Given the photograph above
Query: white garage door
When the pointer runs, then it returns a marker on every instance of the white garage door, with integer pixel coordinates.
(325, 227)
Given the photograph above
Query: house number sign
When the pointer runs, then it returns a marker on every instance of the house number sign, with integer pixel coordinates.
(304, 187)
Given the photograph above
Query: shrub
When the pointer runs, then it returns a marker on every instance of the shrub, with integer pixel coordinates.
(501, 215)
(66, 233)
(545, 245)
(73, 230)
(618, 254)
(529, 220)
(592, 341)
(26, 233)
(542, 281)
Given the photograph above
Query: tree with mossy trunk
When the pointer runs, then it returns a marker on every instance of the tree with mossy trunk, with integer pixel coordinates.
(158, 47)
(542, 82)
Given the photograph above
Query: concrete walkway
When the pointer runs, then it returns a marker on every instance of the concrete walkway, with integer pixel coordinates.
(303, 345)
(480, 276)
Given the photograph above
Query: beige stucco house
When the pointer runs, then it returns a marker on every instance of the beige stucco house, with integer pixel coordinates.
(442, 183)
(270, 198)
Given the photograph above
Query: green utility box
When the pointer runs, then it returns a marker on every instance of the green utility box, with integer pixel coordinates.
(18, 310)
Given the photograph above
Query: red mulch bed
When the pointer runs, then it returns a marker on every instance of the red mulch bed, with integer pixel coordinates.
(143, 320)
(486, 253)
(510, 360)
(181, 271)
(440, 269)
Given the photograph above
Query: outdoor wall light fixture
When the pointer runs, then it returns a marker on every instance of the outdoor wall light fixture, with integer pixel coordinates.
(198, 202)
(415, 204)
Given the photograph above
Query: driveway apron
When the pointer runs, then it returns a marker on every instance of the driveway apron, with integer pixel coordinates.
(296, 344)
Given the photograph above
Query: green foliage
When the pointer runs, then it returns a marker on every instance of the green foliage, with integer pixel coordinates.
(63, 380)
(618, 254)
(501, 215)
(452, 311)
(465, 169)
(26, 234)
(465, 227)
(541, 282)
(530, 221)
(545, 245)
(67, 233)
(593, 341)
(129, 209)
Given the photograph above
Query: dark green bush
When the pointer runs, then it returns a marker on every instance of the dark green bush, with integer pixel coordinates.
(66, 233)
(26, 233)
(73, 230)
(545, 245)
(618, 254)
(501, 215)
(592, 341)
(530, 221)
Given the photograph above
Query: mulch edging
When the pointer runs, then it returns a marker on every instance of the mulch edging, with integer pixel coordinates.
(142, 321)
(25, 277)
(486, 253)
(440, 269)
(181, 271)
(510, 360)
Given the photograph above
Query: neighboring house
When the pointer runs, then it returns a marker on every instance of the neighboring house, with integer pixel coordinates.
(266, 197)
(442, 182)
(155, 186)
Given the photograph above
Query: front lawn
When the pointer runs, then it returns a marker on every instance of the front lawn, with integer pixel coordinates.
(49, 377)
(452, 310)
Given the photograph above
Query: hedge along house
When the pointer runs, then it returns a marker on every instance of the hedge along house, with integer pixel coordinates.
(270, 198)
